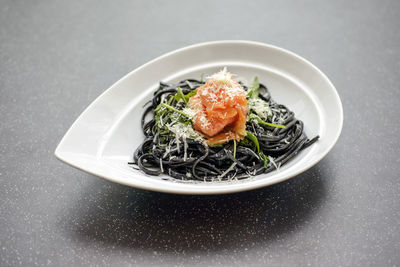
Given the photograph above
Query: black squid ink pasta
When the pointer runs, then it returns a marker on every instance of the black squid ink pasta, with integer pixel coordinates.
(174, 146)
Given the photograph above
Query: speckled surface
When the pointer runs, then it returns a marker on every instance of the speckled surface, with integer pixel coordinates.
(58, 56)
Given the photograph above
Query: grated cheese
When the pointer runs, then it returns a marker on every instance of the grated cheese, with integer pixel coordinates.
(161, 165)
(227, 171)
(185, 147)
(273, 162)
(222, 81)
(184, 131)
(189, 111)
(260, 107)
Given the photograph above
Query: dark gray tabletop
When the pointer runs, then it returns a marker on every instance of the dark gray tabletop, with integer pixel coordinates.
(56, 57)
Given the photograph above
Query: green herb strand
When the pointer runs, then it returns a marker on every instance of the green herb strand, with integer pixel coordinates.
(253, 89)
(175, 110)
(254, 139)
(181, 95)
(260, 121)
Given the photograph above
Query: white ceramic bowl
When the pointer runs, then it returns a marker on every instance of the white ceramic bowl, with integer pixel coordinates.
(102, 140)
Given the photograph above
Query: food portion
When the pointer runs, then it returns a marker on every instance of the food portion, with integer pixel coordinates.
(220, 109)
(217, 130)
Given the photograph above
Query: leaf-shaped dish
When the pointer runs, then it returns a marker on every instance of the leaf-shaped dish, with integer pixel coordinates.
(102, 140)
